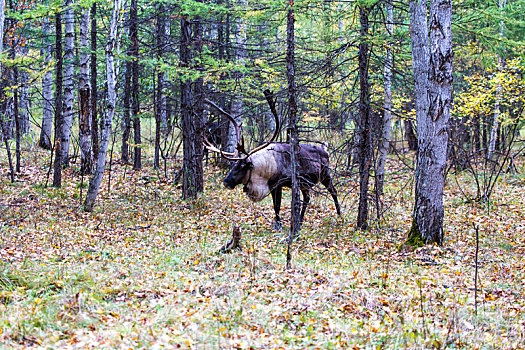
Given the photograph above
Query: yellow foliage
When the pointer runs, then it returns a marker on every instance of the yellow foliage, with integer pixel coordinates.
(484, 91)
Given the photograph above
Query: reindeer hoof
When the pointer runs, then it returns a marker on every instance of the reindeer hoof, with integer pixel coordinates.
(277, 226)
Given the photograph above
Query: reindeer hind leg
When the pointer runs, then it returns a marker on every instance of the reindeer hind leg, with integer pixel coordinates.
(326, 180)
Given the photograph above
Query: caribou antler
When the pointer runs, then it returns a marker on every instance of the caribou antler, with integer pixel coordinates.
(240, 140)
(269, 97)
(211, 147)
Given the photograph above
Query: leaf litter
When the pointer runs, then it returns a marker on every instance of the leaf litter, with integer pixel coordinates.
(142, 271)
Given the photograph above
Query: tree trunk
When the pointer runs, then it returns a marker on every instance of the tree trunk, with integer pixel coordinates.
(69, 56)
(112, 49)
(57, 173)
(2, 93)
(2, 21)
(135, 105)
(427, 224)
(236, 103)
(23, 101)
(3, 106)
(192, 182)
(163, 36)
(225, 126)
(47, 89)
(384, 142)
(84, 93)
(126, 119)
(410, 135)
(126, 115)
(292, 131)
(365, 142)
(160, 105)
(93, 68)
(17, 120)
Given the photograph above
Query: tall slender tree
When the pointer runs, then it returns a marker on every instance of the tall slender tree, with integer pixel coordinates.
(126, 119)
(69, 66)
(84, 93)
(23, 96)
(112, 49)
(384, 142)
(160, 96)
(135, 102)
(93, 78)
(192, 125)
(293, 132)
(47, 88)
(497, 106)
(236, 103)
(2, 22)
(2, 93)
(18, 126)
(365, 134)
(57, 171)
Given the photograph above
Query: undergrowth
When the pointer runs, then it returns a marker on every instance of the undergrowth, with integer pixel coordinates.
(142, 270)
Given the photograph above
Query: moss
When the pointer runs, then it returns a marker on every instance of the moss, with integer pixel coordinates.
(414, 238)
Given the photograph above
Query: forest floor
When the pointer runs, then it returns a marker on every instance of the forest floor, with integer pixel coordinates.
(142, 270)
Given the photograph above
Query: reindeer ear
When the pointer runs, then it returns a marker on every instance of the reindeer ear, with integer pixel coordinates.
(249, 164)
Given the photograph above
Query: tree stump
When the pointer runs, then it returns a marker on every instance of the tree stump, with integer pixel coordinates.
(234, 243)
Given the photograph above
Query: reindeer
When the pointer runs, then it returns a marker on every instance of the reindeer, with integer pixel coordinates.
(267, 169)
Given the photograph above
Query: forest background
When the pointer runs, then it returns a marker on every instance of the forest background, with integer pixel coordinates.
(112, 211)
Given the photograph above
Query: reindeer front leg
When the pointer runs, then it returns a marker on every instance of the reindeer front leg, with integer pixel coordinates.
(277, 194)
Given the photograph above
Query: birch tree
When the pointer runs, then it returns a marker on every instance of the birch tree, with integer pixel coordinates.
(69, 55)
(432, 59)
(112, 49)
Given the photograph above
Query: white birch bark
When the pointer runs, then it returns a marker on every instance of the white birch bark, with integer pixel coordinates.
(420, 54)
(427, 224)
(387, 104)
(112, 49)
(69, 36)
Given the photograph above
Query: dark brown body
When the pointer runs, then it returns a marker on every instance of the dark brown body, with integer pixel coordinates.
(269, 170)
